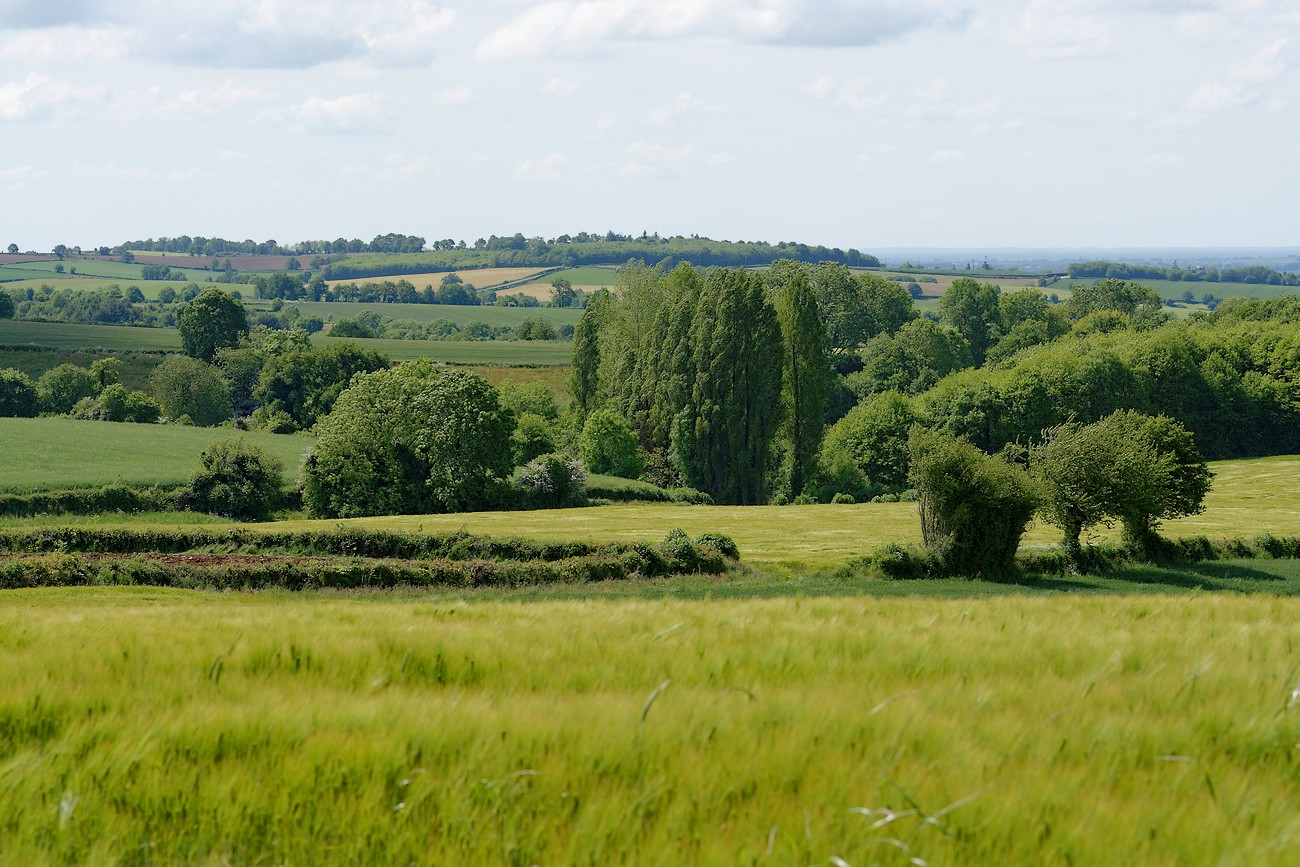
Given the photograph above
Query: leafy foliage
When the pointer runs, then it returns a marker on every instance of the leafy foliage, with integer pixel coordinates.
(238, 480)
(410, 440)
(185, 386)
(552, 482)
(608, 445)
(18, 397)
(210, 322)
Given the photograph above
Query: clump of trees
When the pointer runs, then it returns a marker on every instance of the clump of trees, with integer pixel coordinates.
(410, 440)
(238, 480)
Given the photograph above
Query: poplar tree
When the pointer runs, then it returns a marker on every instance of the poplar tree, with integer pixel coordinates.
(722, 438)
(584, 372)
(806, 374)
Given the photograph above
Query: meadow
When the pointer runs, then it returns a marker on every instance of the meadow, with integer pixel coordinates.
(149, 288)
(159, 726)
(16, 333)
(480, 278)
(460, 314)
(546, 353)
(55, 453)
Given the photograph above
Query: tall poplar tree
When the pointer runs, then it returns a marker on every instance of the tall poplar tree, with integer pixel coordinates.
(722, 438)
(806, 375)
(584, 371)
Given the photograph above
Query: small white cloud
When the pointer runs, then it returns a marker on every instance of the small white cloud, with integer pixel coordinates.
(649, 158)
(942, 157)
(1051, 29)
(228, 157)
(1165, 159)
(38, 95)
(352, 114)
(561, 87)
(18, 177)
(876, 152)
(682, 104)
(1242, 84)
(458, 95)
(57, 44)
(856, 94)
(205, 102)
(545, 168)
(404, 167)
(114, 171)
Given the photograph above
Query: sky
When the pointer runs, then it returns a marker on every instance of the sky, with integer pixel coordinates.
(851, 123)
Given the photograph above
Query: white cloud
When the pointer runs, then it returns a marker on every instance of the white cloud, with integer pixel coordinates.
(354, 113)
(682, 104)
(583, 27)
(1242, 84)
(199, 102)
(648, 158)
(458, 95)
(545, 168)
(37, 95)
(230, 157)
(19, 177)
(404, 167)
(856, 94)
(561, 87)
(942, 157)
(1060, 28)
(57, 44)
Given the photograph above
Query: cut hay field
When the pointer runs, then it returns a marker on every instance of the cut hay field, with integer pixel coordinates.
(481, 278)
(544, 353)
(588, 278)
(57, 335)
(57, 453)
(164, 726)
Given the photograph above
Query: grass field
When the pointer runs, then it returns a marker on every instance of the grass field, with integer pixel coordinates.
(1174, 289)
(547, 353)
(1249, 498)
(160, 726)
(56, 335)
(53, 453)
(459, 314)
(136, 367)
(588, 278)
(149, 288)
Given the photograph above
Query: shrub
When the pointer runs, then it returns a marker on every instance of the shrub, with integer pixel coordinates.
(238, 480)
(974, 507)
(17, 395)
(608, 445)
(552, 481)
(188, 386)
(532, 438)
(61, 387)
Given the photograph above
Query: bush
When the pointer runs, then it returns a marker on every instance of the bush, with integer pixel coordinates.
(61, 387)
(17, 395)
(532, 438)
(552, 482)
(238, 480)
(974, 507)
(608, 445)
(188, 386)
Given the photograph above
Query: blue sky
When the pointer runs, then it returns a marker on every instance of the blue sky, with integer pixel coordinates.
(864, 123)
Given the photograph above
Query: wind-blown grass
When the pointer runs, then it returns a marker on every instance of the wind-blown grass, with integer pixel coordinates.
(151, 726)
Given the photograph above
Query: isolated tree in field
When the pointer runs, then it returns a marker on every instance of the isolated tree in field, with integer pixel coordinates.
(974, 507)
(806, 374)
(1131, 467)
(608, 445)
(211, 321)
(410, 440)
(185, 386)
(238, 480)
(722, 438)
(13, 249)
(562, 293)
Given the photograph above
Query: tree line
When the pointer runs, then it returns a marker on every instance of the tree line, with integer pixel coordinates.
(1197, 274)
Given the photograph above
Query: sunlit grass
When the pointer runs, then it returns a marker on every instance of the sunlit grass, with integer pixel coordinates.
(157, 726)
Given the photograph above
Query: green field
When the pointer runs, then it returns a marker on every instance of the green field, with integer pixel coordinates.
(136, 367)
(163, 726)
(54, 453)
(1174, 289)
(57, 335)
(149, 288)
(461, 315)
(549, 353)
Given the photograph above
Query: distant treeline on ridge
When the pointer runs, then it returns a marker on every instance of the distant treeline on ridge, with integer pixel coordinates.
(407, 254)
(1197, 274)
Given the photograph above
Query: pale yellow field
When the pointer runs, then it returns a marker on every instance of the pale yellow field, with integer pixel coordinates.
(542, 290)
(481, 278)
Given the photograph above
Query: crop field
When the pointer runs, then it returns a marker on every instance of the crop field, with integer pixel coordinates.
(57, 335)
(460, 314)
(481, 278)
(1174, 289)
(164, 726)
(55, 453)
(546, 353)
(149, 288)
(588, 278)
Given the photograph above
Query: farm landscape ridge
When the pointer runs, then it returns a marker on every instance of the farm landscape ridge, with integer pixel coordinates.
(286, 579)
(855, 434)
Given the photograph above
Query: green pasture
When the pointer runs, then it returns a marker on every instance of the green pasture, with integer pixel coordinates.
(100, 268)
(548, 353)
(460, 314)
(57, 335)
(149, 288)
(56, 453)
(136, 366)
(163, 726)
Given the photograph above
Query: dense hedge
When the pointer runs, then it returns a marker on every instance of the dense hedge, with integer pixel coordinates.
(899, 562)
(89, 501)
(677, 554)
(643, 494)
